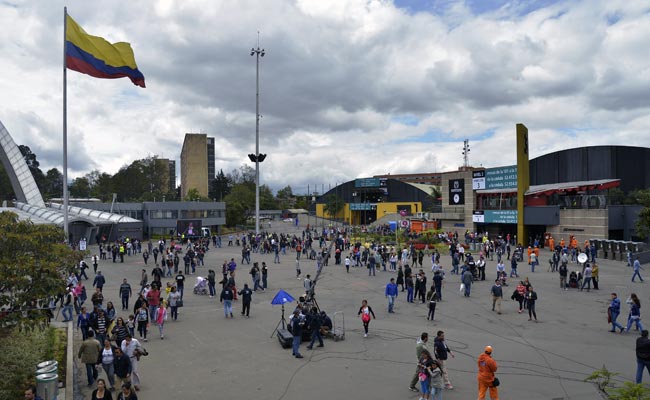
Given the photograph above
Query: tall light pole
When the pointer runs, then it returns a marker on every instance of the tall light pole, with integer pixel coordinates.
(257, 158)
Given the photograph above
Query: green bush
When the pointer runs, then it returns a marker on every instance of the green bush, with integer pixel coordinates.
(22, 351)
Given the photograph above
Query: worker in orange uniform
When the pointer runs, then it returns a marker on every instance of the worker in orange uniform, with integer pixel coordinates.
(530, 251)
(551, 243)
(536, 251)
(486, 380)
(562, 243)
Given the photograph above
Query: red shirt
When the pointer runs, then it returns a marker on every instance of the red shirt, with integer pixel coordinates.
(153, 297)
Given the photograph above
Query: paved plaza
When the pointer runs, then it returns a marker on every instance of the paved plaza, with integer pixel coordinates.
(205, 356)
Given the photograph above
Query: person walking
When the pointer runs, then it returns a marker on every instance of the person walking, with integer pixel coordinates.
(438, 277)
(174, 300)
(486, 369)
(67, 304)
(125, 294)
(246, 296)
(108, 358)
(409, 288)
(636, 267)
(497, 295)
(563, 271)
(425, 366)
(180, 283)
(226, 298)
(391, 294)
(161, 316)
(642, 355)
(132, 348)
(365, 311)
(142, 317)
(613, 311)
(121, 367)
(467, 281)
(212, 281)
(420, 346)
(432, 297)
(89, 353)
(296, 330)
(586, 275)
(442, 353)
(315, 324)
(101, 393)
(531, 298)
(265, 276)
(635, 313)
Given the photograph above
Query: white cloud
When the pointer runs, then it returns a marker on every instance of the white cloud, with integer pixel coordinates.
(335, 81)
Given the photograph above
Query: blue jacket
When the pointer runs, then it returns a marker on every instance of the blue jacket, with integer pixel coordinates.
(615, 305)
(391, 289)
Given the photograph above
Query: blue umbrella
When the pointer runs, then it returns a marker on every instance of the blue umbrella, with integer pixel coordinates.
(280, 298)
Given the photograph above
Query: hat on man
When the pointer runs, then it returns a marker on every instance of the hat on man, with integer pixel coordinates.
(488, 349)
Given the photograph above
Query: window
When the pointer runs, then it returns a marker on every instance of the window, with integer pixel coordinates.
(163, 214)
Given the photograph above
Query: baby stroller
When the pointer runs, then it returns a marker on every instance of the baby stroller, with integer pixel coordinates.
(201, 286)
(573, 280)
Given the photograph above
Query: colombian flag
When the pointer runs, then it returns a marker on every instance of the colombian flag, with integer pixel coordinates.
(97, 57)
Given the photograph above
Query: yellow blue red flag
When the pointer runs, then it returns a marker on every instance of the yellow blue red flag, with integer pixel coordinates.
(97, 57)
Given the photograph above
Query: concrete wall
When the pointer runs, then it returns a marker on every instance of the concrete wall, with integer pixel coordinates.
(194, 164)
(584, 224)
(452, 216)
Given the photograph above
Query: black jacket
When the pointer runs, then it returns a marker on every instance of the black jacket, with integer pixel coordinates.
(246, 294)
(643, 348)
(122, 366)
(226, 294)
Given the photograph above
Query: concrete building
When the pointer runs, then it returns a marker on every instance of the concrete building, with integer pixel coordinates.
(197, 163)
(425, 178)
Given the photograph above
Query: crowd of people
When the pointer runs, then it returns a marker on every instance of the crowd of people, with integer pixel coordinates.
(117, 339)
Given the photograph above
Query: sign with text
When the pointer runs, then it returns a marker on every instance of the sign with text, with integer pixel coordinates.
(501, 177)
(478, 180)
(362, 206)
(369, 183)
(495, 216)
(456, 192)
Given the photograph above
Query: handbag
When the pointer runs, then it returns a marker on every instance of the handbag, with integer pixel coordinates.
(179, 303)
(496, 382)
(462, 287)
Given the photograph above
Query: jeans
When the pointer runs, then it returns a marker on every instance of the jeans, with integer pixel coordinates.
(227, 307)
(110, 373)
(436, 393)
(152, 312)
(636, 273)
(264, 282)
(372, 270)
(67, 313)
(180, 290)
(256, 283)
(640, 365)
(211, 288)
(614, 316)
(391, 303)
(174, 312)
(409, 294)
(468, 289)
(586, 282)
(632, 321)
(316, 335)
(125, 302)
(296, 345)
(91, 373)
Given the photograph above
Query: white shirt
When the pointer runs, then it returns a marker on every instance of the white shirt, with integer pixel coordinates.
(129, 349)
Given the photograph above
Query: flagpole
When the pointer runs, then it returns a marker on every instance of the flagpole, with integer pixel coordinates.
(65, 130)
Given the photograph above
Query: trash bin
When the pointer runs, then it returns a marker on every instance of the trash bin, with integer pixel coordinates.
(606, 248)
(47, 367)
(621, 249)
(47, 386)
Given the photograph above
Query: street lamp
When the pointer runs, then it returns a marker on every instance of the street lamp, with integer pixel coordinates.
(257, 158)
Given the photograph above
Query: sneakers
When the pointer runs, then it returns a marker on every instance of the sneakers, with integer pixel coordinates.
(449, 387)
(299, 356)
(365, 335)
(145, 339)
(162, 337)
(413, 389)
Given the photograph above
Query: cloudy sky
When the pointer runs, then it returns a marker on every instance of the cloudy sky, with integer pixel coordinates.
(349, 88)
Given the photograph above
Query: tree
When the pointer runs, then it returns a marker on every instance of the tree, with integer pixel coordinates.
(643, 219)
(33, 259)
(245, 174)
(221, 186)
(80, 188)
(52, 184)
(33, 164)
(240, 204)
(194, 195)
(333, 205)
(285, 193)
